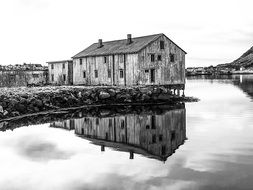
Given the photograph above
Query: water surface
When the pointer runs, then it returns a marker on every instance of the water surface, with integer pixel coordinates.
(204, 145)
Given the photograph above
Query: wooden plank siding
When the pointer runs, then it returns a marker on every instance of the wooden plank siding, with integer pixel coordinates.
(166, 72)
(136, 67)
(58, 71)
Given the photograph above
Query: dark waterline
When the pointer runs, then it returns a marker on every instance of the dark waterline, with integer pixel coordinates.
(204, 145)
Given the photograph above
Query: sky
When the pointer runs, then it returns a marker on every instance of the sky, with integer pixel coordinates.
(36, 31)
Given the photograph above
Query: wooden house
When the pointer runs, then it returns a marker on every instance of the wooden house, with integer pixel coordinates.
(146, 60)
(60, 72)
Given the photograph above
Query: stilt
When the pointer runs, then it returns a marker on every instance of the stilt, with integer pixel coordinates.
(183, 94)
(102, 148)
(131, 155)
(178, 92)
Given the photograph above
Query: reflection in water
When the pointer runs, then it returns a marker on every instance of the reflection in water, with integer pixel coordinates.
(151, 135)
(244, 82)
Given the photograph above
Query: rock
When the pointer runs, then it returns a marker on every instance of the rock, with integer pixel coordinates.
(145, 97)
(112, 92)
(124, 97)
(1, 109)
(5, 112)
(104, 95)
(164, 97)
(14, 114)
(20, 108)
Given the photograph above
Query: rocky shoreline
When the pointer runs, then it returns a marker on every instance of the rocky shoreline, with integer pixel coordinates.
(15, 102)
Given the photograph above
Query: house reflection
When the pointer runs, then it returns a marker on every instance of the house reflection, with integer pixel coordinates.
(152, 135)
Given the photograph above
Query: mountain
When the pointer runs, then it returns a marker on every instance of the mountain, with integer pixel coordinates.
(246, 61)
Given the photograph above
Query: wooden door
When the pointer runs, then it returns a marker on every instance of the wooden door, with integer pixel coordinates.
(152, 75)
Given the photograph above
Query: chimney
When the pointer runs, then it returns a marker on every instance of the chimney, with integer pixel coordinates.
(100, 43)
(129, 38)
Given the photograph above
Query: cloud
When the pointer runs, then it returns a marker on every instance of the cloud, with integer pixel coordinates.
(38, 149)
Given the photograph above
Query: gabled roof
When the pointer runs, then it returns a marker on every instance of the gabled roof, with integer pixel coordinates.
(62, 61)
(120, 46)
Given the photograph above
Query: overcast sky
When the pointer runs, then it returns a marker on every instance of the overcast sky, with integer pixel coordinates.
(211, 31)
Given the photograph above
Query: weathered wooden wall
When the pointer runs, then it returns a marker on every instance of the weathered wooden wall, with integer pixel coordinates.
(58, 71)
(17, 78)
(166, 72)
(114, 64)
(136, 67)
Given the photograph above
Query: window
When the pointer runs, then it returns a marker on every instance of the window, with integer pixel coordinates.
(153, 139)
(97, 121)
(159, 58)
(161, 44)
(152, 57)
(52, 66)
(109, 73)
(84, 74)
(122, 124)
(96, 73)
(121, 73)
(172, 57)
(64, 77)
(160, 138)
(153, 122)
(105, 59)
(121, 58)
(146, 71)
(80, 61)
(52, 77)
(63, 65)
(110, 122)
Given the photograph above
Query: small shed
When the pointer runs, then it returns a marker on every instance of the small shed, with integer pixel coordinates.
(60, 72)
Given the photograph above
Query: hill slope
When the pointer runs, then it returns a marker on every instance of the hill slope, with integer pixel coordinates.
(246, 60)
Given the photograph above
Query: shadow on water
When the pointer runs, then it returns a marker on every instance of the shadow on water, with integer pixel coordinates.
(154, 131)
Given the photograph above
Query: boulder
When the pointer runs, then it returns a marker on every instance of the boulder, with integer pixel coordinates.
(1, 109)
(104, 95)
(164, 97)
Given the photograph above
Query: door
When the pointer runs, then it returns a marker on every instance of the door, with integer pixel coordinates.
(152, 75)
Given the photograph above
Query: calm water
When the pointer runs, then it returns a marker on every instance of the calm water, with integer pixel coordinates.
(203, 145)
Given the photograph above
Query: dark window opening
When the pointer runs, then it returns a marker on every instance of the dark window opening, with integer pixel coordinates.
(121, 73)
(173, 135)
(110, 122)
(152, 57)
(121, 58)
(84, 74)
(97, 121)
(159, 58)
(109, 73)
(106, 136)
(147, 126)
(52, 77)
(153, 122)
(153, 139)
(105, 59)
(161, 44)
(81, 61)
(152, 75)
(160, 138)
(146, 71)
(96, 73)
(64, 77)
(82, 131)
(122, 125)
(52, 66)
(172, 57)
(63, 65)
(163, 150)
